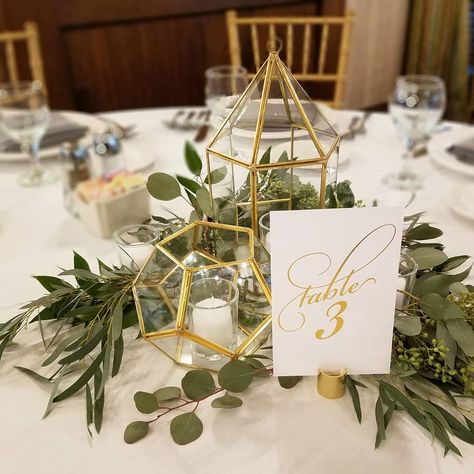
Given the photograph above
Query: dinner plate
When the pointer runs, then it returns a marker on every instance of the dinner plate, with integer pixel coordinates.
(437, 151)
(94, 125)
(462, 201)
(135, 159)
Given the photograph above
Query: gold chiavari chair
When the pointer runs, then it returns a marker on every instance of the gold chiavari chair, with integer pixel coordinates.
(309, 25)
(30, 37)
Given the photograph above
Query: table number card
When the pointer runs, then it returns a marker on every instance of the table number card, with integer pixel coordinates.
(334, 282)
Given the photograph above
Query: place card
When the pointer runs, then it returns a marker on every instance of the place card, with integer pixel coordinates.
(334, 282)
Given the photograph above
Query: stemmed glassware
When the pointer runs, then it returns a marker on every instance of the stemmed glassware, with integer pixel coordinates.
(24, 117)
(224, 85)
(417, 105)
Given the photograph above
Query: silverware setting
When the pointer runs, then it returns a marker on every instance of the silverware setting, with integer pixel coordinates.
(117, 130)
(356, 126)
(189, 120)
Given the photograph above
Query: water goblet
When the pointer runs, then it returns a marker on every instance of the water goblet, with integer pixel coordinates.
(24, 117)
(416, 106)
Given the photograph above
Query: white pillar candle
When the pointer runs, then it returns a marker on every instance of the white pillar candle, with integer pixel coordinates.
(268, 241)
(138, 253)
(212, 320)
(400, 296)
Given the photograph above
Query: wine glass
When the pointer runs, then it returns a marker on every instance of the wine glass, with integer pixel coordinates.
(224, 85)
(417, 105)
(24, 117)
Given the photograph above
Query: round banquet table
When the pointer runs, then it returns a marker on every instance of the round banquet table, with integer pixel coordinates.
(276, 430)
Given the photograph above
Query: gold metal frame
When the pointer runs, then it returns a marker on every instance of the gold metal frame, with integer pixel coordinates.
(274, 64)
(180, 329)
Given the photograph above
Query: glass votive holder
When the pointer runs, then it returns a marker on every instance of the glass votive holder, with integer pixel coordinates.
(213, 314)
(264, 230)
(407, 269)
(136, 243)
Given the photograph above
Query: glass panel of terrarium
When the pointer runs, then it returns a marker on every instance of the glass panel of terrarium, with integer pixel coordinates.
(237, 135)
(156, 313)
(325, 133)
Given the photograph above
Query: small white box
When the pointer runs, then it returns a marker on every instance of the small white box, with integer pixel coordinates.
(104, 217)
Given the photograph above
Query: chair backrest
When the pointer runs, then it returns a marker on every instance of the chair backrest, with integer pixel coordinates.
(30, 37)
(314, 30)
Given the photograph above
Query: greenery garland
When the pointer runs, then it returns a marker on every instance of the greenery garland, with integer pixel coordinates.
(433, 339)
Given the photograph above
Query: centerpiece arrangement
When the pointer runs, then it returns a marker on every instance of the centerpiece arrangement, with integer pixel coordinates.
(203, 294)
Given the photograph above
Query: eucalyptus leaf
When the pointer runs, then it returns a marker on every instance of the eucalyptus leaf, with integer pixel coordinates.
(354, 393)
(135, 431)
(379, 418)
(51, 283)
(407, 324)
(163, 187)
(452, 263)
(197, 384)
(427, 257)
(227, 401)
(145, 402)
(204, 200)
(54, 391)
(118, 354)
(33, 374)
(193, 162)
(167, 393)
(423, 232)
(216, 175)
(86, 348)
(236, 376)
(260, 370)
(442, 333)
(185, 428)
(189, 184)
(462, 332)
(117, 317)
(89, 409)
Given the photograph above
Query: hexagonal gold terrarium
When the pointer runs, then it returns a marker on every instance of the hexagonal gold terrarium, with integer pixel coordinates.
(274, 150)
(203, 296)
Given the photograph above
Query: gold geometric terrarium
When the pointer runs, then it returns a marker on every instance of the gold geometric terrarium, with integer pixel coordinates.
(204, 263)
(275, 150)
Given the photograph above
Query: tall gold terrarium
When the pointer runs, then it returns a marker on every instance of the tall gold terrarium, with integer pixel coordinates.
(182, 268)
(275, 150)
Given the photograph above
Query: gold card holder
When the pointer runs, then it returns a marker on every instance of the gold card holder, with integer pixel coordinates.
(332, 383)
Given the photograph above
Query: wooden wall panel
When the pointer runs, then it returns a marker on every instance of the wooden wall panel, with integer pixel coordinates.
(116, 54)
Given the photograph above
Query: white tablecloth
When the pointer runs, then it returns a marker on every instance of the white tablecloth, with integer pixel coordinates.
(276, 430)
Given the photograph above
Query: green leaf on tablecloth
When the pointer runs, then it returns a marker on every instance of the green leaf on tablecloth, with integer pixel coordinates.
(59, 349)
(458, 428)
(379, 418)
(167, 393)
(185, 428)
(145, 402)
(51, 283)
(99, 396)
(193, 162)
(386, 419)
(423, 232)
(35, 376)
(89, 409)
(81, 274)
(408, 324)
(354, 393)
(236, 376)
(204, 200)
(216, 175)
(452, 263)
(197, 384)
(403, 400)
(163, 187)
(227, 401)
(83, 379)
(80, 263)
(96, 336)
(427, 257)
(118, 354)
(135, 431)
(117, 317)
(54, 391)
(189, 184)
(289, 381)
(260, 370)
